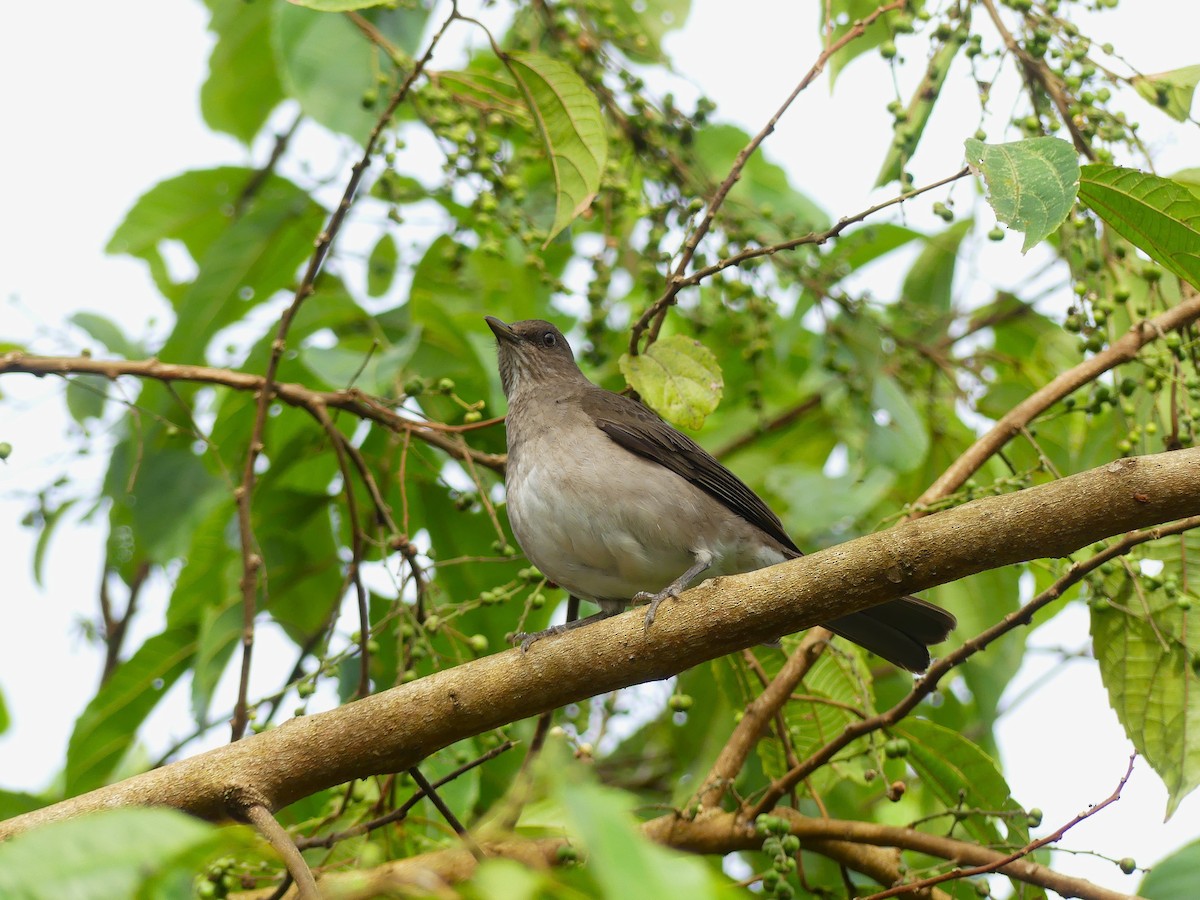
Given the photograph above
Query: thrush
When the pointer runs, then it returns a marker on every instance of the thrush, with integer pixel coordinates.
(616, 506)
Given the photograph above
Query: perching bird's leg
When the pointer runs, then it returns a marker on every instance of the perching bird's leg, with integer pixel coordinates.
(703, 559)
(573, 621)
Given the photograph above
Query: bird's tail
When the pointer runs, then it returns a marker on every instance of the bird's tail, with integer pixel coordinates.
(900, 631)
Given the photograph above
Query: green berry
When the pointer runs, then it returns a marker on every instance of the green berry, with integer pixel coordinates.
(5, 449)
(896, 748)
(1128, 866)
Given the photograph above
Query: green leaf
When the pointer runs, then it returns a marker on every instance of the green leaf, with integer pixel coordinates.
(979, 602)
(86, 395)
(259, 254)
(193, 208)
(1155, 694)
(869, 243)
(920, 108)
(1031, 184)
(372, 370)
(17, 803)
(836, 692)
(1189, 178)
(111, 853)
(929, 283)
(242, 85)
(219, 634)
(1173, 877)
(1172, 91)
(647, 22)
(763, 185)
(106, 729)
(821, 503)
(165, 491)
(845, 13)
(381, 265)
(960, 775)
(624, 863)
(678, 377)
(509, 879)
(567, 117)
(104, 330)
(898, 438)
(1157, 215)
(329, 66)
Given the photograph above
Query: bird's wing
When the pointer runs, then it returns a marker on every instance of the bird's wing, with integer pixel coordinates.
(640, 431)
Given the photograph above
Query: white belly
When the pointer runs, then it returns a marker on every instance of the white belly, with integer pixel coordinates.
(604, 535)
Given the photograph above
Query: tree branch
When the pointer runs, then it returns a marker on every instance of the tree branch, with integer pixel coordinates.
(717, 833)
(352, 401)
(276, 835)
(652, 318)
(394, 730)
(1120, 351)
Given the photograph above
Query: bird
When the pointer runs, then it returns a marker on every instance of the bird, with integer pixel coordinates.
(616, 506)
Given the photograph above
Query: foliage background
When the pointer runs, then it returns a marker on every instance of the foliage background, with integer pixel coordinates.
(87, 149)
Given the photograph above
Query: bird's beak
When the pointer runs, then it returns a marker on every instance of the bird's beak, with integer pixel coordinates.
(502, 331)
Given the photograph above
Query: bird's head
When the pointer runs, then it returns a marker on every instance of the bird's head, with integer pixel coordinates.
(532, 352)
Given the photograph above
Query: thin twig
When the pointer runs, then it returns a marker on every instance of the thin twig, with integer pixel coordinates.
(447, 813)
(115, 627)
(998, 864)
(1121, 351)
(276, 835)
(941, 667)
(402, 811)
(652, 318)
(1038, 72)
(353, 401)
(758, 712)
(815, 237)
(251, 560)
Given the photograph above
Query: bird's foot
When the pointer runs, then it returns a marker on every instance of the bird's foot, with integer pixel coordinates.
(526, 639)
(669, 592)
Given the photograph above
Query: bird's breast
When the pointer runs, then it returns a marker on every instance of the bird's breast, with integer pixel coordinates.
(604, 523)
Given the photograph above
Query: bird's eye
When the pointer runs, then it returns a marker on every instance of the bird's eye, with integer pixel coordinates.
(548, 339)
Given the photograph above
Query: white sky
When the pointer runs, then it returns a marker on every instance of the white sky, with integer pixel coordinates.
(100, 102)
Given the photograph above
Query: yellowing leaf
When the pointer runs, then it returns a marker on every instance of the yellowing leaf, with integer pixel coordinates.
(567, 118)
(678, 377)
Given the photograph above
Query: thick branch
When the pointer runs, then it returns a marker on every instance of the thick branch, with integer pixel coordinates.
(393, 730)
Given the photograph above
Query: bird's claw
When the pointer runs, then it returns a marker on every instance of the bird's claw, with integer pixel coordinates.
(526, 639)
(654, 600)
